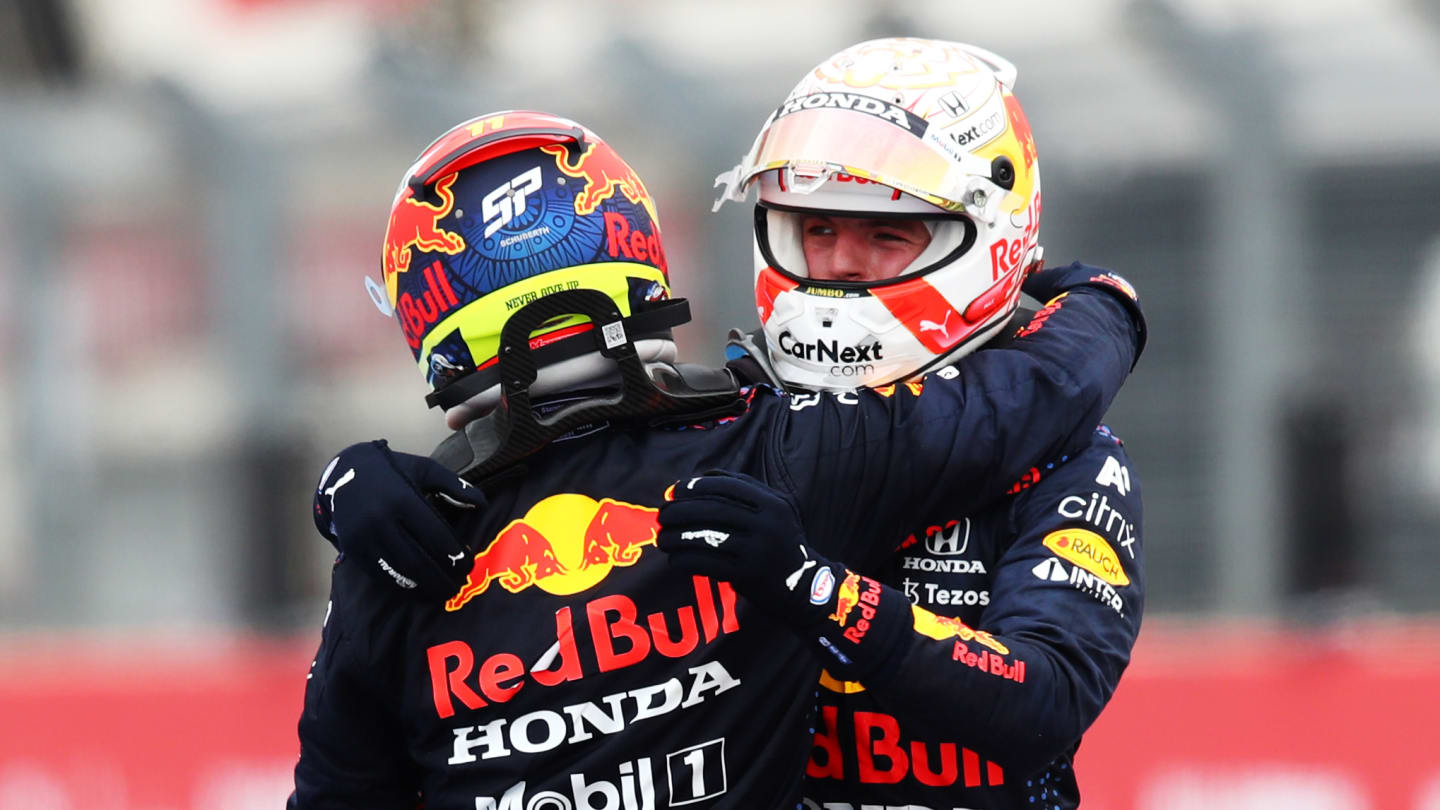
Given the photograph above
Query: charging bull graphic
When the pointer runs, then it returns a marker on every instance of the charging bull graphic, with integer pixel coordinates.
(413, 225)
(565, 544)
(604, 173)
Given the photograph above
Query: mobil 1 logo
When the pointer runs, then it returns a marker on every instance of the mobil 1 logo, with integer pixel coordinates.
(697, 773)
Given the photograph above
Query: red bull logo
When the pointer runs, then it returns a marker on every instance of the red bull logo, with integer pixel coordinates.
(605, 634)
(1118, 283)
(634, 244)
(1006, 255)
(604, 173)
(412, 225)
(565, 544)
(847, 596)
(1021, 127)
(989, 663)
(943, 627)
(1042, 316)
(883, 754)
(887, 391)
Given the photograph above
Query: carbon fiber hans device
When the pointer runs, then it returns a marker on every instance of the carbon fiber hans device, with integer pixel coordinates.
(492, 445)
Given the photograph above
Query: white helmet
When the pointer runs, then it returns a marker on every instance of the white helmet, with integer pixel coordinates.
(908, 128)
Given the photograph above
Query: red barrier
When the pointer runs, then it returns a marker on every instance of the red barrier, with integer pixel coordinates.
(1247, 717)
(1219, 718)
(134, 726)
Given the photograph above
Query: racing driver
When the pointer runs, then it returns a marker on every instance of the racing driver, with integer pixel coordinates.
(566, 666)
(994, 637)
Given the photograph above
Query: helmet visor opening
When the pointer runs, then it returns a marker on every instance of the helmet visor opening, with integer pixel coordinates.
(779, 238)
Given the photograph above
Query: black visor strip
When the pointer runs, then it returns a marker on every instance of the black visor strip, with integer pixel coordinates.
(654, 322)
(442, 166)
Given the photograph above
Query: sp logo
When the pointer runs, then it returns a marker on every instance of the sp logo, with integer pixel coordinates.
(507, 201)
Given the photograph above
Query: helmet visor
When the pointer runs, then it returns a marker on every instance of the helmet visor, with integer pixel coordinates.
(824, 140)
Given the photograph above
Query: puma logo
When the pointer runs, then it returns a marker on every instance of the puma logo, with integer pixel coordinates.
(943, 327)
(794, 578)
(344, 479)
(456, 558)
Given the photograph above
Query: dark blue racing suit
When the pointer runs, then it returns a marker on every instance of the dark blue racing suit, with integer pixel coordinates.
(576, 670)
(1053, 576)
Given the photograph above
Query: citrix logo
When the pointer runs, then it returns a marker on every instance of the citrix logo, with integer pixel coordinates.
(822, 351)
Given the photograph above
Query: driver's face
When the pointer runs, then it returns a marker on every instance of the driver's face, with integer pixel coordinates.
(860, 249)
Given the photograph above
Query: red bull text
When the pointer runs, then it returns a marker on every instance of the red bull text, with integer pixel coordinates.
(613, 631)
(882, 756)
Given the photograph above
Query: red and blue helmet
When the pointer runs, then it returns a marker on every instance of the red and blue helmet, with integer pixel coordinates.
(499, 211)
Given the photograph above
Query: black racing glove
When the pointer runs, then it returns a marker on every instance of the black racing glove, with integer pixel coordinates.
(395, 513)
(734, 527)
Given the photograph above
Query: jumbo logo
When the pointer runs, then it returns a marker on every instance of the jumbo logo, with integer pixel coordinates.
(565, 544)
(413, 225)
(1089, 551)
(604, 172)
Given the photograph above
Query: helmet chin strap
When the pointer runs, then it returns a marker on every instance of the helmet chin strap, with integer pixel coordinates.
(653, 322)
(498, 441)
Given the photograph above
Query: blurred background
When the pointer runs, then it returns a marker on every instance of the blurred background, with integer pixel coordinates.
(192, 190)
